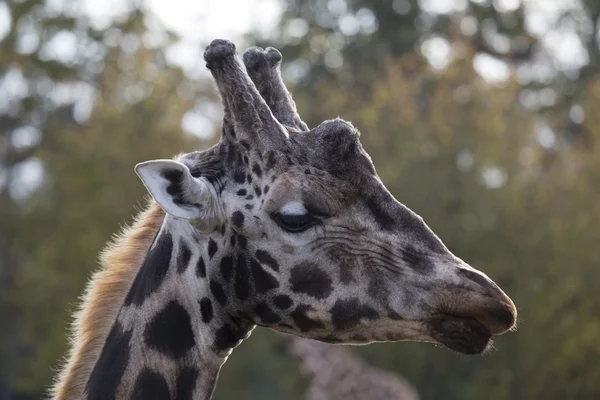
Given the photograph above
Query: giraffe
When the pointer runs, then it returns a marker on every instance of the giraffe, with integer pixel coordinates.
(338, 374)
(278, 226)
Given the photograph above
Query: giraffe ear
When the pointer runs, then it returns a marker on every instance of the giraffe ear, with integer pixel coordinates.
(175, 189)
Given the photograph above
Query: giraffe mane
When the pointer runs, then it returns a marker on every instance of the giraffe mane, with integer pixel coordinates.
(104, 294)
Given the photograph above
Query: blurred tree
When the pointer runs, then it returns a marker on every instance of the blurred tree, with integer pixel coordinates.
(80, 105)
(354, 39)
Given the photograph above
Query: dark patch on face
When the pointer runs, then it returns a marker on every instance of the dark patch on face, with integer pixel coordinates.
(257, 191)
(111, 365)
(475, 277)
(241, 287)
(263, 281)
(170, 331)
(150, 385)
(256, 169)
(266, 315)
(217, 290)
(242, 242)
(183, 258)
(226, 266)
(382, 218)
(417, 259)
(346, 276)
(242, 192)
(347, 314)
(200, 268)
(206, 311)
(266, 189)
(271, 160)
(307, 171)
(212, 248)
(307, 278)
(246, 159)
(303, 321)
(249, 207)
(267, 259)
(239, 176)
(226, 337)
(249, 178)
(186, 382)
(153, 271)
(237, 219)
(282, 301)
(329, 339)
(345, 263)
(377, 289)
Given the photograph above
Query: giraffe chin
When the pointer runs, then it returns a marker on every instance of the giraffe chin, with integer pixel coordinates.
(465, 335)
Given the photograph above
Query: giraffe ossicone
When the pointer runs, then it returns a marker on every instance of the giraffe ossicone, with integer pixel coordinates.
(279, 226)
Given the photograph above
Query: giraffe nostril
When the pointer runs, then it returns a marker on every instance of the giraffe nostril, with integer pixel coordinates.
(507, 316)
(476, 277)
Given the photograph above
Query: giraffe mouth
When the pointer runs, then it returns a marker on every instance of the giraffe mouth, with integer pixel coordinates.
(465, 335)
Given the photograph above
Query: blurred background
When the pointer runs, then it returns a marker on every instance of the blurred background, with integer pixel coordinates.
(482, 116)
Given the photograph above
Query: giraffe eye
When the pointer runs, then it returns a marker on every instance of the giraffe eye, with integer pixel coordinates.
(295, 223)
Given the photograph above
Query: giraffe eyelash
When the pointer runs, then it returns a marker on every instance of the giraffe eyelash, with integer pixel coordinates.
(294, 223)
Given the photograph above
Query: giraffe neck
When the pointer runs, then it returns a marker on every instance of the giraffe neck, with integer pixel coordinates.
(172, 334)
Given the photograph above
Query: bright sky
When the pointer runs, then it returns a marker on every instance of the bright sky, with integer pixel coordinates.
(200, 21)
(197, 21)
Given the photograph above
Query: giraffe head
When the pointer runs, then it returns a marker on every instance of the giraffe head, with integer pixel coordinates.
(300, 234)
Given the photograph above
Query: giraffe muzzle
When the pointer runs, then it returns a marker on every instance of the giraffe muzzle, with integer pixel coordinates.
(468, 319)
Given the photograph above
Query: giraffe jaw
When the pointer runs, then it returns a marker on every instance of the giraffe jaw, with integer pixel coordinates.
(465, 335)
